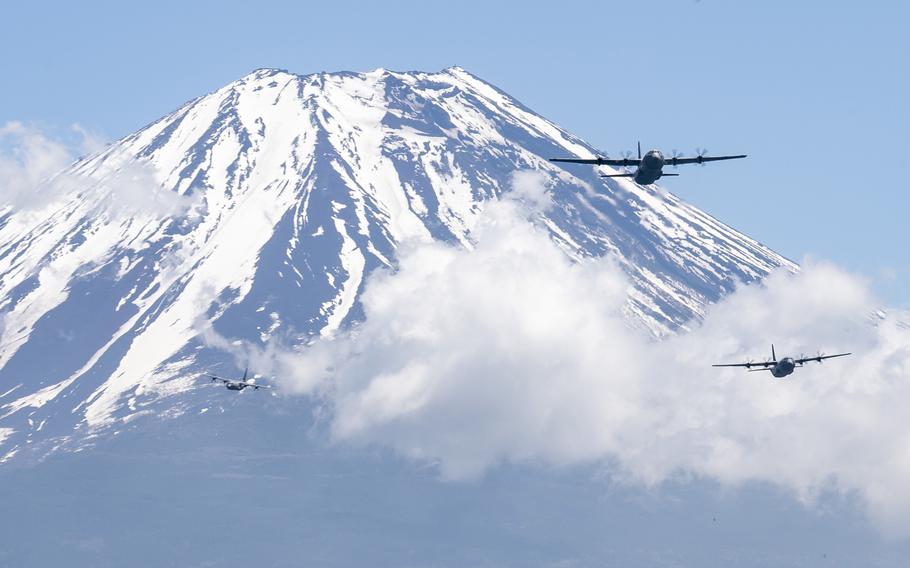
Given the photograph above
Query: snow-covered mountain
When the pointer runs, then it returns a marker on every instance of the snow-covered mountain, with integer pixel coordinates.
(260, 209)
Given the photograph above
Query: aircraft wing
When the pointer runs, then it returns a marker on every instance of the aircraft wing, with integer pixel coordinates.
(599, 161)
(819, 358)
(764, 364)
(699, 159)
(216, 378)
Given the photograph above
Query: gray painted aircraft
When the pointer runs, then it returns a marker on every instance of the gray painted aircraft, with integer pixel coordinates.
(785, 366)
(238, 384)
(648, 168)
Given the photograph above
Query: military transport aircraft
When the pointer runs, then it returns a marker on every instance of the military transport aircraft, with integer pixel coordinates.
(785, 366)
(649, 168)
(238, 384)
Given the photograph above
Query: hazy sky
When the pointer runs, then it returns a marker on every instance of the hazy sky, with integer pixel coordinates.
(815, 92)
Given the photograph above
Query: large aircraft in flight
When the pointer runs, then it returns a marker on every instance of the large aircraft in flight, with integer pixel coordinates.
(238, 384)
(784, 367)
(648, 168)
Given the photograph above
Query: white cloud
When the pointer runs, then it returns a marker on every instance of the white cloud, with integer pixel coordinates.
(27, 158)
(34, 174)
(134, 189)
(530, 189)
(510, 352)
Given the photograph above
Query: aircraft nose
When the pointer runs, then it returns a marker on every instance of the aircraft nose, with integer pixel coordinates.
(653, 159)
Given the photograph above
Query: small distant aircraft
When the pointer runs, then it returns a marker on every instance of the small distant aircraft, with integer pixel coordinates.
(239, 384)
(785, 366)
(649, 168)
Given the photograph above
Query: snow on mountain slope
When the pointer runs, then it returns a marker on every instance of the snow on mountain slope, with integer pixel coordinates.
(261, 208)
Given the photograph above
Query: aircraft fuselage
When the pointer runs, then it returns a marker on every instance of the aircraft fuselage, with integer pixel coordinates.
(650, 168)
(783, 368)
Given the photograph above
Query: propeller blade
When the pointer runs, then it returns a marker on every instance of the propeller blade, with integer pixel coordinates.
(674, 155)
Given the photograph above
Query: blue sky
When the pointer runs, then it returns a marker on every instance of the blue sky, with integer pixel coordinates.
(814, 92)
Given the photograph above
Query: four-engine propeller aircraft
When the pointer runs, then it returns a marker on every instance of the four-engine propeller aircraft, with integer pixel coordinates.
(649, 168)
(785, 366)
(239, 384)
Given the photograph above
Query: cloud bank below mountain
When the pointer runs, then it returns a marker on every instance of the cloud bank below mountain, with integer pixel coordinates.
(512, 353)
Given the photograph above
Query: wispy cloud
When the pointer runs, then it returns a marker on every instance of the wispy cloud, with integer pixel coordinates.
(510, 352)
(34, 173)
(28, 158)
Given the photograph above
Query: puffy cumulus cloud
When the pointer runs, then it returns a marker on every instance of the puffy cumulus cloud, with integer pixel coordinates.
(530, 189)
(34, 174)
(510, 352)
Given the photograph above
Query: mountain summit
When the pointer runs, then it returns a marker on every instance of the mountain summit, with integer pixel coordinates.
(260, 208)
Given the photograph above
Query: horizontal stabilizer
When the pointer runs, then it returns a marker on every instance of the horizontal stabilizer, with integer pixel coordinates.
(665, 175)
(617, 175)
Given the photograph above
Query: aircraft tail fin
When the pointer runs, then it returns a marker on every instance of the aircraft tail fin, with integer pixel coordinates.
(773, 356)
(245, 371)
(639, 151)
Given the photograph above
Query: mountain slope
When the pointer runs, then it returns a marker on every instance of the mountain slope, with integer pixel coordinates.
(259, 209)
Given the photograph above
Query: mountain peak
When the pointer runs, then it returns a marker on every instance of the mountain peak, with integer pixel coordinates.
(272, 200)
(459, 70)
